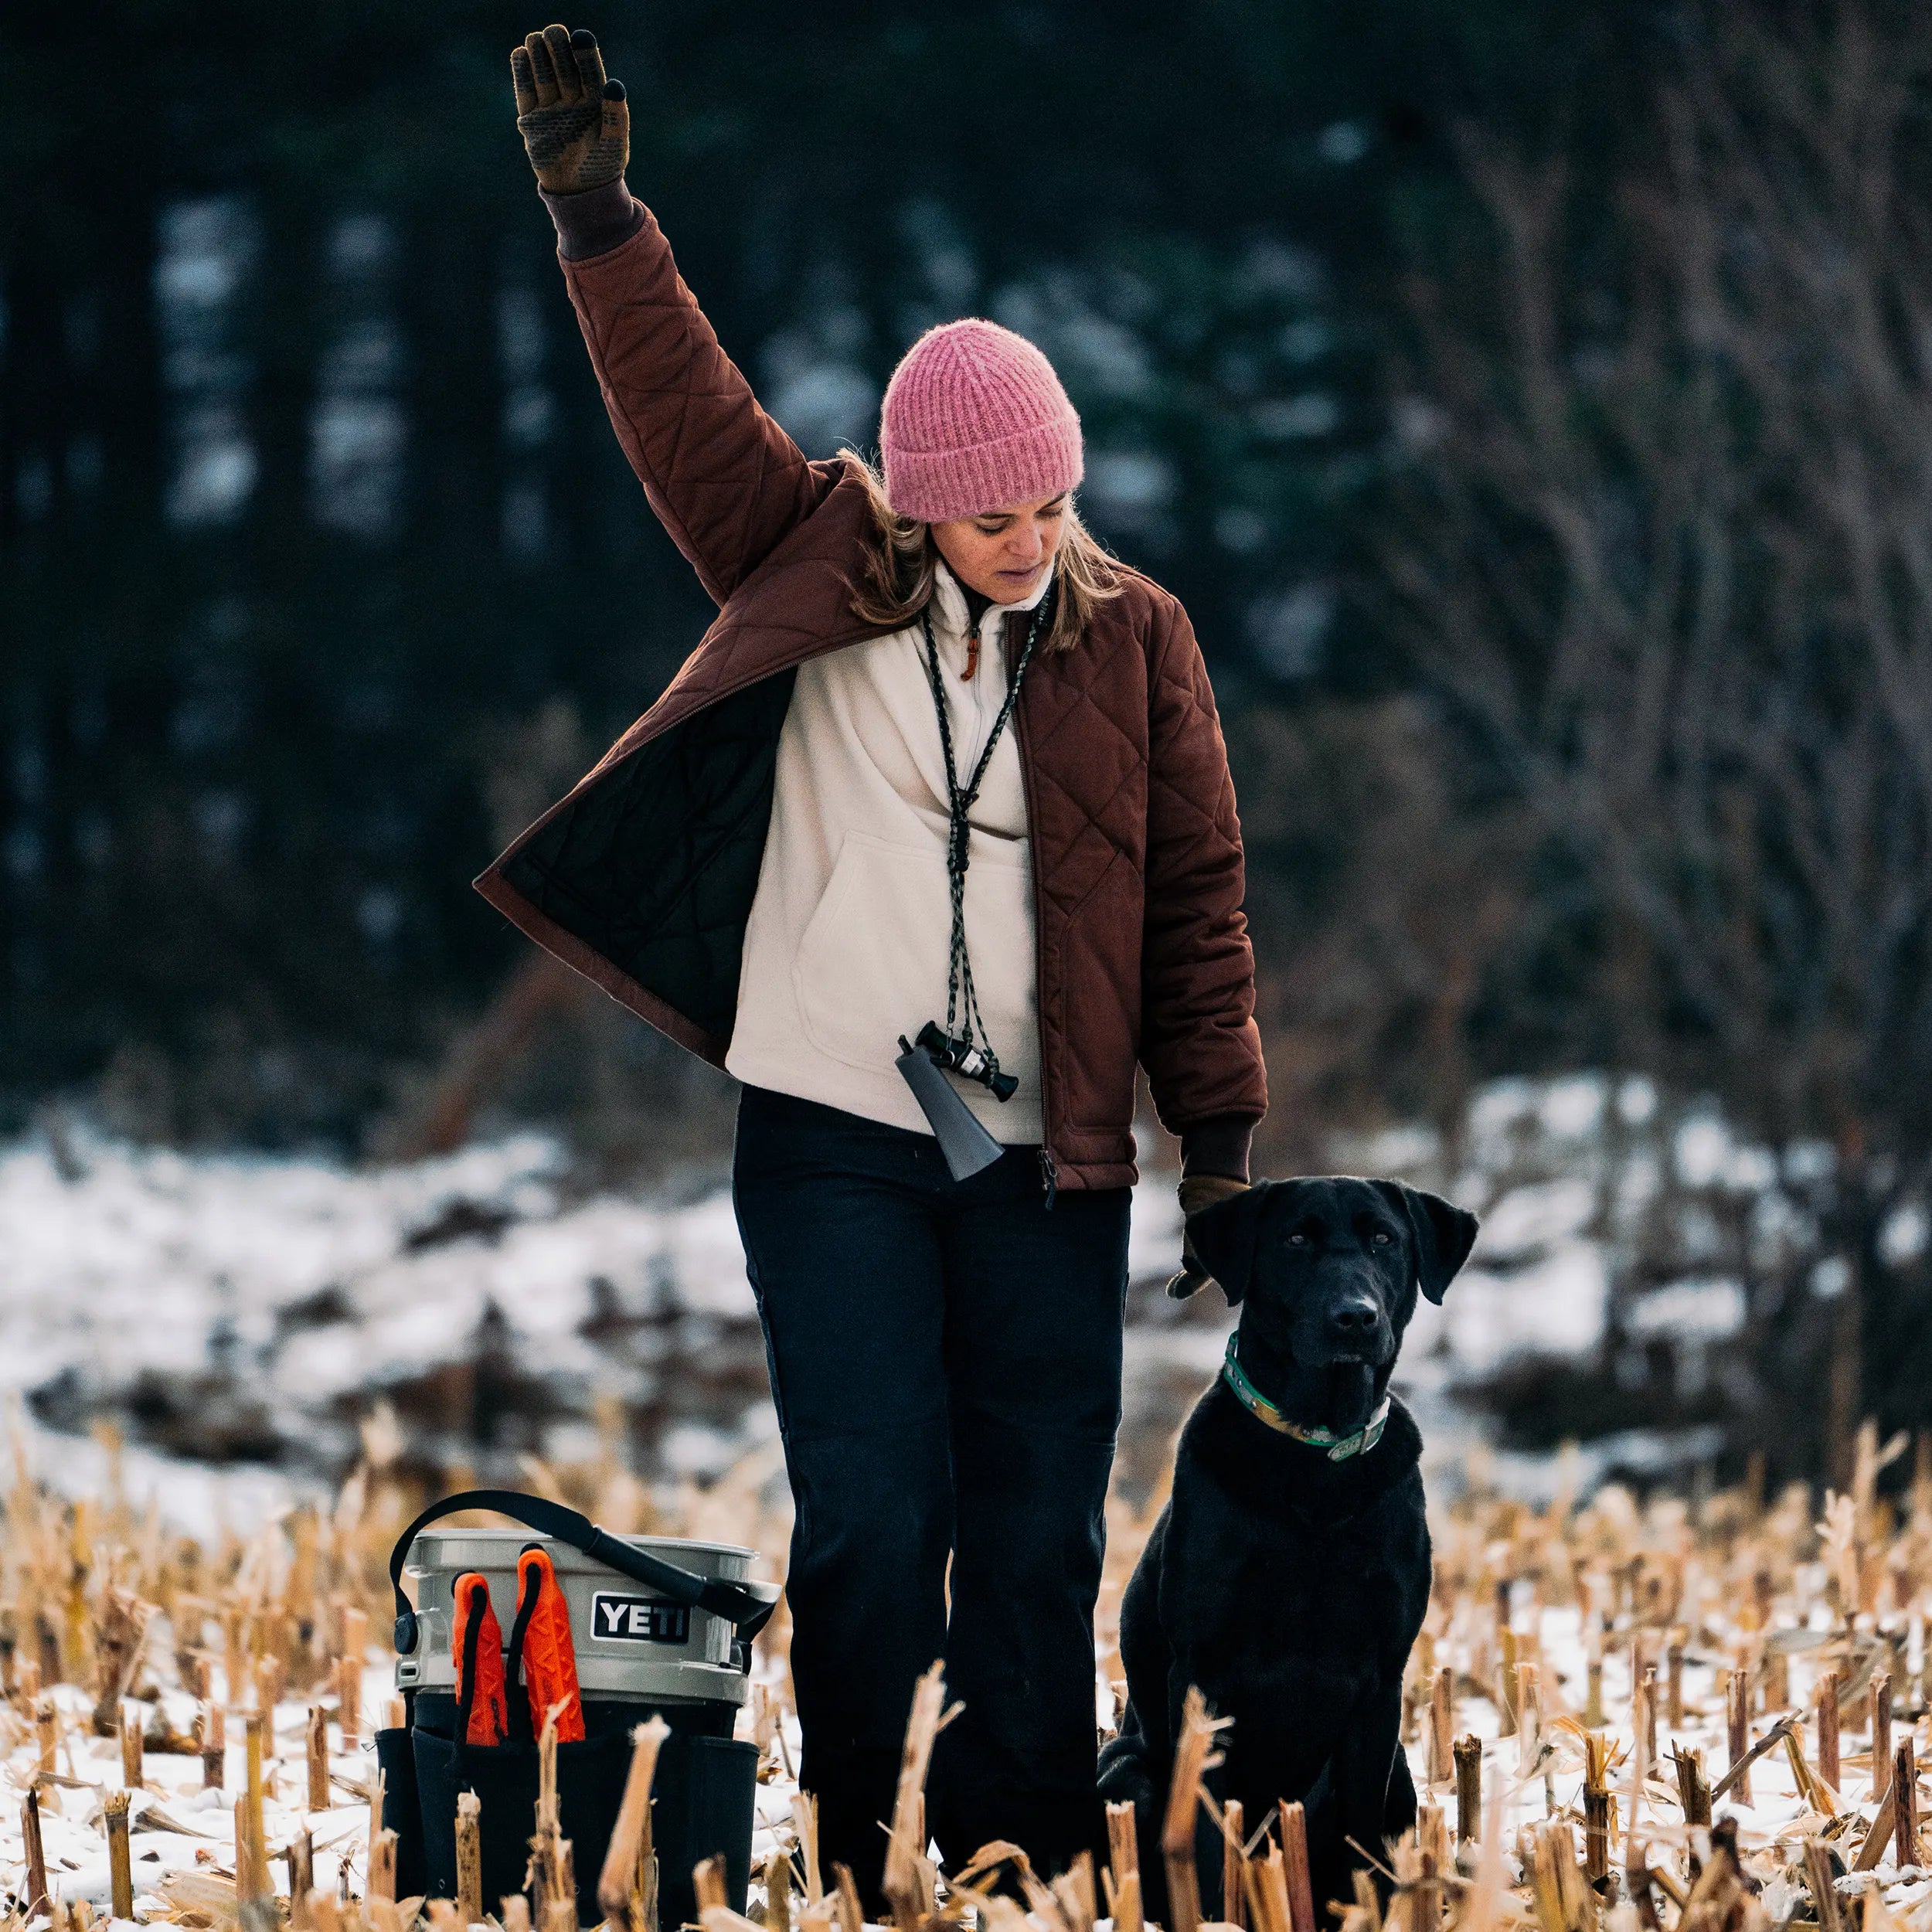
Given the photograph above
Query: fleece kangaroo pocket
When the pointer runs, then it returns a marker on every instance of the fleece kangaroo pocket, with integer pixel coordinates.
(871, 963)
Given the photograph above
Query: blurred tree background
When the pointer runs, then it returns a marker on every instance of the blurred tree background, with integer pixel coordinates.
(1529, 403)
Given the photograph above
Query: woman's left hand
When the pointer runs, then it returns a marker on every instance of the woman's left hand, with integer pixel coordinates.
(1199, 1192)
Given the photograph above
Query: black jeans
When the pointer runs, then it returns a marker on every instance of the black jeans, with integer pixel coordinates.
(945, 1357)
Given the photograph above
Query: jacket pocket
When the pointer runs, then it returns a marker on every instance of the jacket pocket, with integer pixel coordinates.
(871, 963)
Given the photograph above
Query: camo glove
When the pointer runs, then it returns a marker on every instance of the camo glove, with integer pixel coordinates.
(1199, 1192)
(575, 123)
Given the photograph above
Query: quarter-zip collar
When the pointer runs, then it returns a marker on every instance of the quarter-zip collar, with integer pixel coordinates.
(950, 610)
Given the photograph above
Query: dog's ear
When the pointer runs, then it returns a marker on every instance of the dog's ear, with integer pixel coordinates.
(1444, 1232)
(1224, 1238)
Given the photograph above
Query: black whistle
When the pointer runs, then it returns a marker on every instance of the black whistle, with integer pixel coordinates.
(966, 1144)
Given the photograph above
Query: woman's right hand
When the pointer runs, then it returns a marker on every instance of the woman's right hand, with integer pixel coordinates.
(575, 123)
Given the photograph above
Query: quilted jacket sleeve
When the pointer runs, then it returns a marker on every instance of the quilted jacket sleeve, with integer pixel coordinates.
(1199, 1040)
(725, 479)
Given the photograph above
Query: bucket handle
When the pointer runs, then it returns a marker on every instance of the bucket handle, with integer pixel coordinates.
(740, 1604)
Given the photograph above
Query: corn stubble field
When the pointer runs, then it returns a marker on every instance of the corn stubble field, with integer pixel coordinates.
(1620, 1715)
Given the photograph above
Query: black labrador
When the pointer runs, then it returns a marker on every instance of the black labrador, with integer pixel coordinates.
(1288, 1574)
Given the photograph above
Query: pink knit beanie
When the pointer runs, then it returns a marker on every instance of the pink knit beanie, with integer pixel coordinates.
(975, 418)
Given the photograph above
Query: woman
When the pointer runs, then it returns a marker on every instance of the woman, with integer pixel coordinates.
(938, 760)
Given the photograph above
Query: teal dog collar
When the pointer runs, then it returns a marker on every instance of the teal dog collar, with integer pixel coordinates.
(1337, 1448)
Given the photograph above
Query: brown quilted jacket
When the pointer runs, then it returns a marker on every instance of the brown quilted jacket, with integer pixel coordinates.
(642, 878)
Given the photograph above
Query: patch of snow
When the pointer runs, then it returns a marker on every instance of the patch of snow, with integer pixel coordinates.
(1638, 1183)
(1194, 1348)
(1808, 1161)
(1555, 1306)
(1540, 1478)
(699, 1451)
(290, 1292)
(1702, 1149)
(198, 1499)
(1574, 1107)
(1500, 1106)
(1778, 1226)
(1831, 1277)
(1690, 1310)
(1390, 1152)
(1153, 1232)
(1902, 1240)
(1636, 1099)
(1750, 1170)
(1533, 1217)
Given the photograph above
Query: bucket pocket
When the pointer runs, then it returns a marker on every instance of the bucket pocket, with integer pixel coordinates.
(871, 964)
(402, 1810)
(702, 1808)
(590, 1780)
(702, 1797)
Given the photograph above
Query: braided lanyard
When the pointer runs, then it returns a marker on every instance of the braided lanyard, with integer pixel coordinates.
(959, 799)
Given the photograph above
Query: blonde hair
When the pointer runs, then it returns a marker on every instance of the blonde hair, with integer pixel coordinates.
(899, 568)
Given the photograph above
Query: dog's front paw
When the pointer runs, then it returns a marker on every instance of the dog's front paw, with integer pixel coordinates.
(1125, 1775)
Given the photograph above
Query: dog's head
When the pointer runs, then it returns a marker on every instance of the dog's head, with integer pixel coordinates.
(1327, 1268)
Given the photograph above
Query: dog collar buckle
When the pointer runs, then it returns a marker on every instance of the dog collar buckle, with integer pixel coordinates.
(1337, 1448)
(1364, 1439)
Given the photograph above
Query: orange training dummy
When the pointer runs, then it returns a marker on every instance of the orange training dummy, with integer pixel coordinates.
(476, 1646)
(549, 1656)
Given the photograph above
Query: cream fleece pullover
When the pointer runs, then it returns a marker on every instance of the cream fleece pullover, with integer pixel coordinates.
(846, 946)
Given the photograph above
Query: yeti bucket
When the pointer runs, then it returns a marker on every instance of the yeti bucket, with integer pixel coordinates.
(660, 1627)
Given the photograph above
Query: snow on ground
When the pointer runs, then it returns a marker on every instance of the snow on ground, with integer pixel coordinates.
(247, 1310)
(237, 1315)
(182, 1834)
(176, 1828)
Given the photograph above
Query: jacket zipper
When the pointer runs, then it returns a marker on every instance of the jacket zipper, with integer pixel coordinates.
(1049, 1168)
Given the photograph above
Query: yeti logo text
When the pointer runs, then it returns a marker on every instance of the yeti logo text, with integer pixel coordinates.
(637, 1620)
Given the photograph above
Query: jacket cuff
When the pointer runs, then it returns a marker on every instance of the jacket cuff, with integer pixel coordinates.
(594, 221)
(1218, 1146)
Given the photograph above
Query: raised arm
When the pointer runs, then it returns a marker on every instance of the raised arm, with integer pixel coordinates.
(724, 478)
